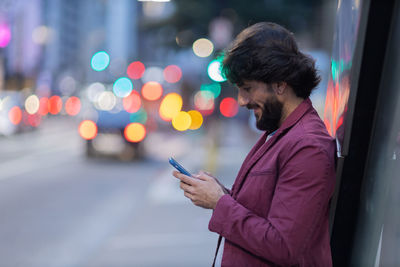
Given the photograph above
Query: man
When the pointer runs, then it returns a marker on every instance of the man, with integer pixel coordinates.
(277, 211)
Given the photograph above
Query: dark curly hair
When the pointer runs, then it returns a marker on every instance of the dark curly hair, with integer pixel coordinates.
(268, 52)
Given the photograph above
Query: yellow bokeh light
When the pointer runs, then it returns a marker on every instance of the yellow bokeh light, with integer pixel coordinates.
(32, 104)
(135, 132)
(170, 106)
(182, 121)
(203, 47)
(197, 119)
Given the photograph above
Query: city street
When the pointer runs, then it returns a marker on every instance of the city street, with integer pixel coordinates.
(59, 208)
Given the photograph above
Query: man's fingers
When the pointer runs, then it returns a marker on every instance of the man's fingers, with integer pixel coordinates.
(203, 176)
(184, 178)
(188, 195)
(187, 188)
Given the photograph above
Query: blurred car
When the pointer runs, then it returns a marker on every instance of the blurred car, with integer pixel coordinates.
(111, 138)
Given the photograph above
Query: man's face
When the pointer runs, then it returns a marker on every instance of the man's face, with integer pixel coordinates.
(261, 98)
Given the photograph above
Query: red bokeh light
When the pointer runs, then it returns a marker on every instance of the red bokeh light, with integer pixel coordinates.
(55, 104)
(15, 115)
(73, 106)
(132, 102)
(34, 119)
(172, 73)
(229, 107)
(43, 106)
(135, 70)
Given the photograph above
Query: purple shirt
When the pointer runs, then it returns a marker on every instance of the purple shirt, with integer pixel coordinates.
(277, 213)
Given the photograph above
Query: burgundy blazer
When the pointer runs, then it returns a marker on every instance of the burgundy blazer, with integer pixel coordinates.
(277, 213)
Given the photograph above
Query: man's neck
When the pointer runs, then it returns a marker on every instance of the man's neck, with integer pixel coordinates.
(289, 107)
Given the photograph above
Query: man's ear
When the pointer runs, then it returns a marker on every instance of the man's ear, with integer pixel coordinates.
(280, 88)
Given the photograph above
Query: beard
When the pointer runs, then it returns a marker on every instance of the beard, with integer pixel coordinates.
(271, 115)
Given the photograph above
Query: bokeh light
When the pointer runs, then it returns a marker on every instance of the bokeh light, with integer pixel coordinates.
(43, 106)
(132, 102)
(5, 34)
(203, 47)
(88, 129)
(204, 102)
(32, 104)
(170, 106)
(152, 91)
(15, 115)
(229, 107)
(94, 90)
(122, 87)
(34, 120)
(135, 132)
(214, 71)
(140, 116)
(214, 88)
(106, 101)
(172, 73)
(55, 104)
(153, 74)
(73, 106)
(100, 61)
(136, 70)
(41, 35)
(197, 119)
(182, 121)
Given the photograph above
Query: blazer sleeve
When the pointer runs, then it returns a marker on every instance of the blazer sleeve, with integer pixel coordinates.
(301, 195)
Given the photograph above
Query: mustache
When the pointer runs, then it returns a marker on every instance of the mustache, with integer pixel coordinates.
(251, 106)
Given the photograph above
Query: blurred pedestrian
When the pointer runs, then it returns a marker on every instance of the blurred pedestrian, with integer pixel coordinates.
(277, 212)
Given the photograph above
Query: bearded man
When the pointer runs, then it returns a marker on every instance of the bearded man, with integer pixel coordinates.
(277, 212)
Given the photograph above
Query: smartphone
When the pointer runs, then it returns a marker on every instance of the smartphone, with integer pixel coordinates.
(178, 166)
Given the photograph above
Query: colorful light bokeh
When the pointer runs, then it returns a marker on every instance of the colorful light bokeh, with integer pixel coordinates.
(15, 115)
(33, 120)
(204, 102)
(136, 70)
(100, 61)
(132, 102)
(32, 104)
(5, 35)
(182, 121)
(170, 106)
(88, 129)
(229, 107)
(152, 91)
(122, 87)
(140, 116)
(55, 104)
(172, 73)
(214, 88)
(135, 132)
(43, 106)
(214, 71)
(73, 106)
(203, 47)
(197, 119)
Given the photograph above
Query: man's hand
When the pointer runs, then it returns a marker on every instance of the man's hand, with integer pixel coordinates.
(202, 189)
